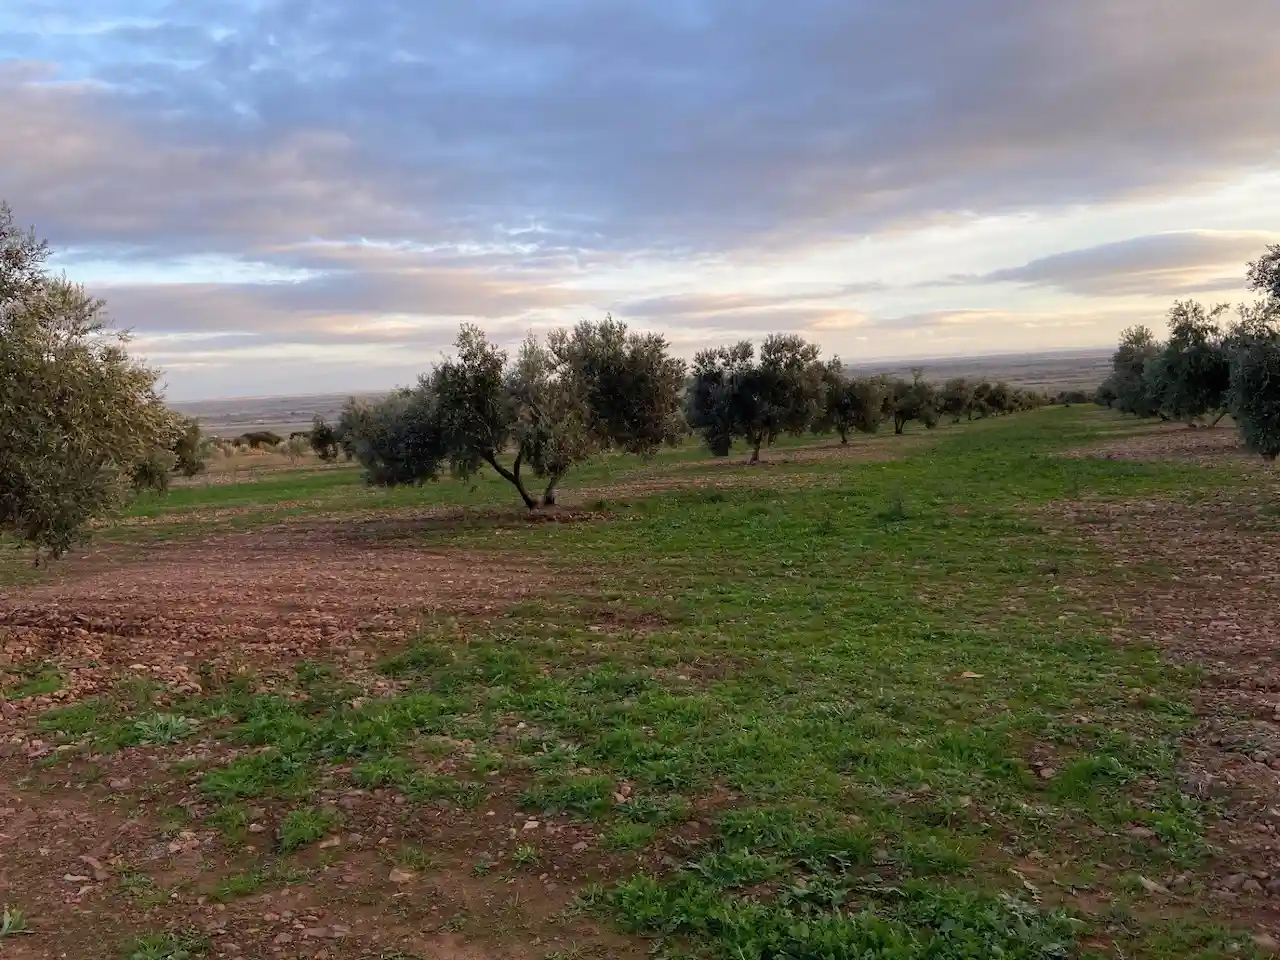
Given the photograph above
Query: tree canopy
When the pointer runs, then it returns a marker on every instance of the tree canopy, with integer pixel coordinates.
(77, 414)
(560, 401)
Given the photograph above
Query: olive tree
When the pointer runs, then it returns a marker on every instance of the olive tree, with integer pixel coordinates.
(557, 404)
(396, 439)
(1264, 273)
(77, 413)
(736, 396)
(1128, 381)
(851, 403)
(914, 399)
(1189, 377)
(956, 399)
(1254, 391)
(189, 450)
(323, 439)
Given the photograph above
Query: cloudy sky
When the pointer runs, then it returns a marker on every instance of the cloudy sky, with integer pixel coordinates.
(310, 195)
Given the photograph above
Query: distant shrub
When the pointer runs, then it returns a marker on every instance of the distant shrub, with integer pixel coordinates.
(259, 438)
(295, 448)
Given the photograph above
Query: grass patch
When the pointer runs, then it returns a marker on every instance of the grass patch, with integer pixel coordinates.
(306, 825)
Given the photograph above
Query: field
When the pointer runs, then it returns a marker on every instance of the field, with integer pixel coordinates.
(1003, 689)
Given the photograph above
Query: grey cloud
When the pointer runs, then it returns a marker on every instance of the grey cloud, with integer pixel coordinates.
(1165, 264)
(675, 306)
(329, 303)
(630, 124)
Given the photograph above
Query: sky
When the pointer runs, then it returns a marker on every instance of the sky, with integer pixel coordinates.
(295, 196)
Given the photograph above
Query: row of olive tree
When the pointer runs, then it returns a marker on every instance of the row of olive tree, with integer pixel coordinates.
(558, 403)
(736, 395)
(1208, 367)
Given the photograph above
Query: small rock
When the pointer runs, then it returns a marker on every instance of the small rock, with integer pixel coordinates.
(580, 846)
(314, 933)
(1273, 886)
(1141, 833)
(1266, 942)
(531, 825)
(401, 876)
(1251, 886)
(74, 878)
(120, 783)
(1046, 773)
(257, 828)
(330, 843)
(1235, 881)
(283, 938)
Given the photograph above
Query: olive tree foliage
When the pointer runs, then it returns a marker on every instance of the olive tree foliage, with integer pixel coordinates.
(737, 396)
(557, 404)
(956, 399)
(851, 403)
(396, 439)
(189, 449)
(1253, 350)
(1188, 378)
(77, 414)
(1128, 380)
(1253, 393)
(914, 399)
(1264, 274)
(323, 439)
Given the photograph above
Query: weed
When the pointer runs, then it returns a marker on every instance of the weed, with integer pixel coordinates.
(526, 855)
(161, 729)
(628, 836)
(12, 922)
(306, 825)
(415, 858)
(166, 946)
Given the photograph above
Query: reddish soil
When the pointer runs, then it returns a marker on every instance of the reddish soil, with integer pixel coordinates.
(264, 600)
(93, 872)
(1202, 581)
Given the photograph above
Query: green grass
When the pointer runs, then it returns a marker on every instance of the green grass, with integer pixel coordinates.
(33, 680)
(305, 826)
(850, 691)
(166, 946)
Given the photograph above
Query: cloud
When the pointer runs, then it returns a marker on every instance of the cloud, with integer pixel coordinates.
(1165, 264)
(419, 162)
(625, 123)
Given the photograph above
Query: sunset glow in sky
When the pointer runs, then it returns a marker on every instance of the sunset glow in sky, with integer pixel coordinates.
(281, 196)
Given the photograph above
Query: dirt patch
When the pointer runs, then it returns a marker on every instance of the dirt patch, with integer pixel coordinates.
(1202, 581)
(1210, 446)
(122, 861)
(265, 600)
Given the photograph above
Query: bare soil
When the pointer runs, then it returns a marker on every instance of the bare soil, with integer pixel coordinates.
(172, 611)
(1202, 582)
(1208, 446)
